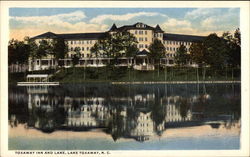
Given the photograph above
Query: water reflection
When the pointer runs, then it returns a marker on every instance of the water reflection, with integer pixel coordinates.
(136, 112)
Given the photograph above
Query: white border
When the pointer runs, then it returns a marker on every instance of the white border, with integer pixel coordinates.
(244, 26)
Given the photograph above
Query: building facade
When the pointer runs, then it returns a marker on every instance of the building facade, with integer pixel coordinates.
(143, 33)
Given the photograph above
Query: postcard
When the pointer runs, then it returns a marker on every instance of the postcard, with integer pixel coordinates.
(117, 78)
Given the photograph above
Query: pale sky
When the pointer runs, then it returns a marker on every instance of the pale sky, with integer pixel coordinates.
(193, 21)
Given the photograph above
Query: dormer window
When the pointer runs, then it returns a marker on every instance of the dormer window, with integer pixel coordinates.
(140, 25)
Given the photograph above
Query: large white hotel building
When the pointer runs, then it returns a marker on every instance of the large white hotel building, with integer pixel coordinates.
(144, 34)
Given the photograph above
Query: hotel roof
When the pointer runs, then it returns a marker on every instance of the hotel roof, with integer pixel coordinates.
(128, 27)
(101, 35)
(181, 37)
(86, 36)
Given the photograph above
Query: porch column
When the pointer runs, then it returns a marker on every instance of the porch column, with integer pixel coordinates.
(100, 61)
(143, 61)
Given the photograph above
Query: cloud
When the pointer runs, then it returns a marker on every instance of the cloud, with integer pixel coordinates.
(225, 21)
(173, 25)
(172, 22)
(69, 17)
(201, 13)
(60, 23)
(125, 17)
(203, 21)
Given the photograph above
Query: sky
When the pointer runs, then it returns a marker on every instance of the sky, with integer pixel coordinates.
(194, 21)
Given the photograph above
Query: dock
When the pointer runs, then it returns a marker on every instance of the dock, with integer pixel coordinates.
(38, 83)
(38, 80)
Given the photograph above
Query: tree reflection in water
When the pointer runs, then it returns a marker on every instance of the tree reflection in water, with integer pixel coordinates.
(128, 111)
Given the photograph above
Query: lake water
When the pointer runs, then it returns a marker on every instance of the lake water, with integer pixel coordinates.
(125, 117)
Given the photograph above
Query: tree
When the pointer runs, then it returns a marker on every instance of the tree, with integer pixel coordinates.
(76, 56)
(60, 48)
(181, 57)
(129, 44)
(33, 47)
(12, 55)
(214, 51)
(233, 47)
(156, 52)
(113, 45)
(197, 56)
(44, 49)
(131, 51)
(18, 52)
(197, 53)
(95, 49)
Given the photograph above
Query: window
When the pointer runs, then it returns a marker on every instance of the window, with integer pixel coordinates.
(146, 46)
(170, 48)
(71, 49)
(90, 41)
(71, 42)
(167, 48)
(87, 48)
(87, 55)
(37, 62)
(170, 42)
(140, 39)
(87, 42)
(135, 32)
(74, 42)
(82, 48)
(146, 32)
(174, 42)
(146, 39)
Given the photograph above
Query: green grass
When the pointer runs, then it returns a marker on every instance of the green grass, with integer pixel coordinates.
(106, 74)
(112, 74)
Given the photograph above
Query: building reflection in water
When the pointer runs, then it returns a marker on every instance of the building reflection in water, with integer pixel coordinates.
(138, 115)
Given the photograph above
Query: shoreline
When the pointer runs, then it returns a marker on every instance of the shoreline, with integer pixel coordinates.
(176, 82)
(146, 82)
